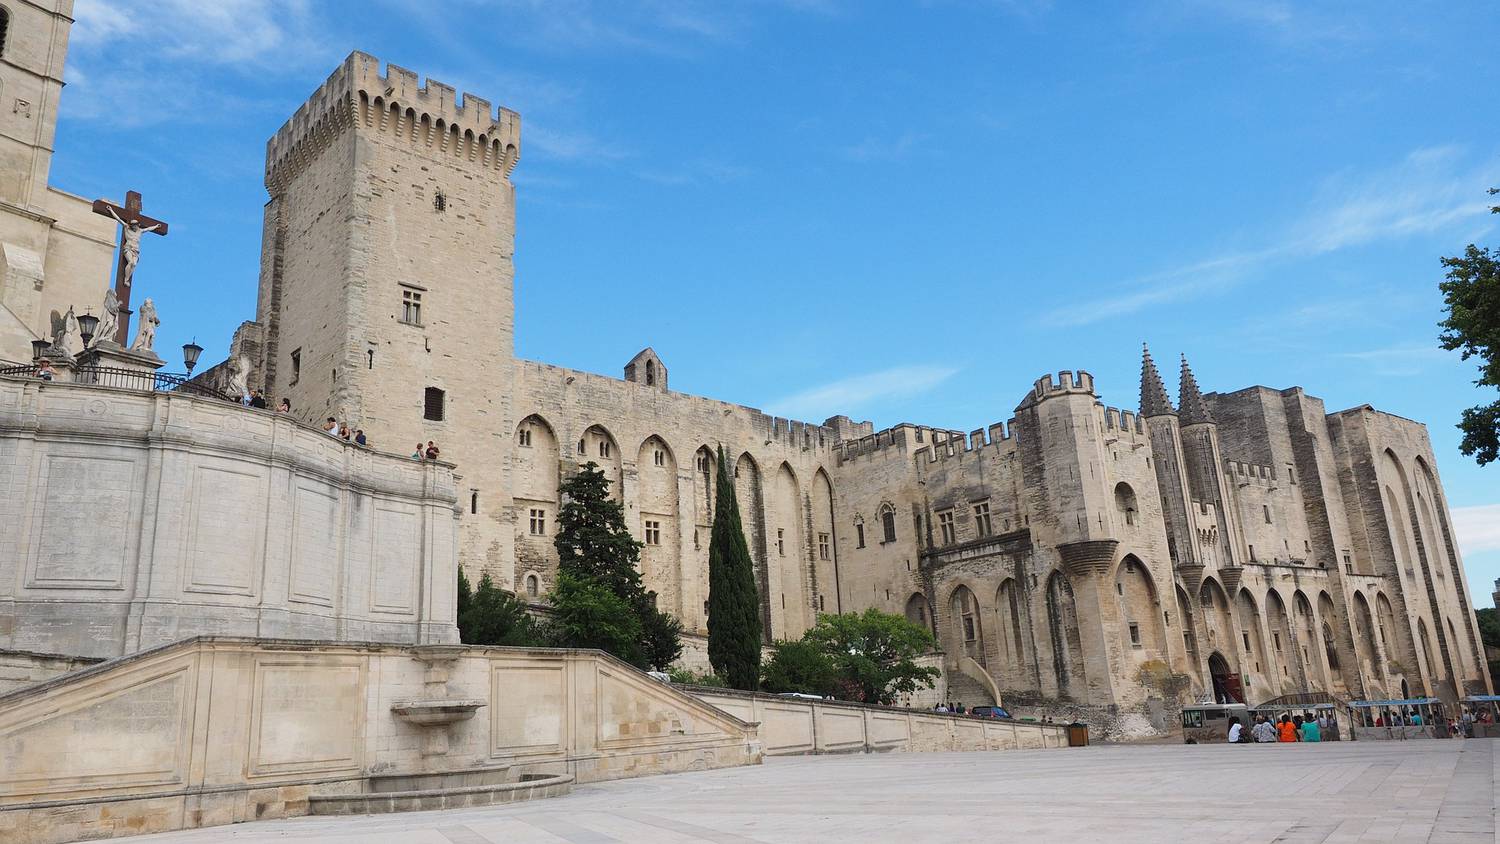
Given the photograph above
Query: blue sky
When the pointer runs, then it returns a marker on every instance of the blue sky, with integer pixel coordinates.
(898, 212)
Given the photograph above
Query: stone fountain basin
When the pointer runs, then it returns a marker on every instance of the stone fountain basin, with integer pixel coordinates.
(430, 713)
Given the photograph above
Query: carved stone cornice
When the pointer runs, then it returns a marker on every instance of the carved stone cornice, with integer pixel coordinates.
(1230, 576)
(1192, 577)
(1089, 557)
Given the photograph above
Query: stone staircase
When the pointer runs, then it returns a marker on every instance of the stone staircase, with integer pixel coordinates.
(965, 689)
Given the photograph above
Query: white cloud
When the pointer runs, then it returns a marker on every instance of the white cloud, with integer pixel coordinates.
(849, 395)
(883, 148)
(221, 32)
(1426, 192)
(571, 146)
(1398, 360)
(1478, 528)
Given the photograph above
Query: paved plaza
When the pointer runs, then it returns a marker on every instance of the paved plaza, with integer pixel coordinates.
(1334, 792)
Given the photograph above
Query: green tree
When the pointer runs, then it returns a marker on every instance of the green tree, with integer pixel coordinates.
(587, 614)
(800, 665)
(595, 548)
(734, 628)
(875, 653)
(1471, 295)
(1489, 626)
(492, 616)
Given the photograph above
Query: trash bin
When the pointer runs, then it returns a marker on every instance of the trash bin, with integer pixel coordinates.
(1078, 735)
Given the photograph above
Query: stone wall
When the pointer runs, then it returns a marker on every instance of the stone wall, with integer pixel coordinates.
(19, 669)
(139, 518)
(800, 727)
(212, 731)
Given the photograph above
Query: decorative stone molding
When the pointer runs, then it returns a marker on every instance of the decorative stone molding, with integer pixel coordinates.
(1089, 557)
(1192, 577)
(1230, 577)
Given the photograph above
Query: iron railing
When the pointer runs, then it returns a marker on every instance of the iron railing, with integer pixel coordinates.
(129, 379)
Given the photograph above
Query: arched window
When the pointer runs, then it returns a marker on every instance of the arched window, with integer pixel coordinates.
(4, 28)
(888, 523)
(650, 373)
(1125, 502)
(533, 585)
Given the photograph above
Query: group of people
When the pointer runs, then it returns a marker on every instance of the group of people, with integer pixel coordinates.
(334, 428)
(1291, 728)
(257, 399)
(956, 708)
(427, 452)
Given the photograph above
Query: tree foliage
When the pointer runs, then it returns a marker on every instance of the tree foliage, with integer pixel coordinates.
(586, 614)
(1489, 626)
(491, 616)
(734, 627)
(800, 665)
(869, 657)
(596, 552)
(1471, 295)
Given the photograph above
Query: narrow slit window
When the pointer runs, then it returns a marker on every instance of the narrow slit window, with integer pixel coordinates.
(432, 404)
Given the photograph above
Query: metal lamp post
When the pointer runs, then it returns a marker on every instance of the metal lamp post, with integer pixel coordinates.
(87, 325)
(190, 353)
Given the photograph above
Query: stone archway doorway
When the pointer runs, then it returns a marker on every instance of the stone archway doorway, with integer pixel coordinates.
(1226, 683)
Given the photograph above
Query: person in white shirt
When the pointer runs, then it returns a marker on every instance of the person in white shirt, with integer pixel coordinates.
(331, 427)
(1235, 729)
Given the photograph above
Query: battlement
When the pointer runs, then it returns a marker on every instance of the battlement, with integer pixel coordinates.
(957, 446)
(1122, 421)
(1240, 472)
(1078, 383)
(398, 101)
(803, 435)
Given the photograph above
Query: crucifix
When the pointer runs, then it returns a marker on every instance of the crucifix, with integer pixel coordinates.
(133, 224)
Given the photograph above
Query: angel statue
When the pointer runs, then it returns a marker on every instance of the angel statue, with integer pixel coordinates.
(145, 331)
(65, 333)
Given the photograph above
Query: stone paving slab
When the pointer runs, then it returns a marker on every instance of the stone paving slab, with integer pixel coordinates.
(1418, 791)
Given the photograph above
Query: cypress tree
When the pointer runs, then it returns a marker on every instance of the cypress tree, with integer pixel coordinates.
(595, 549)
(733, 609)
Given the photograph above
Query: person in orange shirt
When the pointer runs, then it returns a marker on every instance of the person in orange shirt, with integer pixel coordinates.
(1286, 730)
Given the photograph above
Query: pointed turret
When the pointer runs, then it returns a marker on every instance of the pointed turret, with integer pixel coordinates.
(1154, 400)
(1193, 409)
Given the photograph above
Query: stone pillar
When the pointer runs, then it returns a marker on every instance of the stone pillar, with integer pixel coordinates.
(1086, 563)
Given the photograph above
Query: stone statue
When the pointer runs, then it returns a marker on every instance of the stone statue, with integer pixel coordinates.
(130, 248)
(239, 376)
(65, 339)
(145, 331)
(111, 319)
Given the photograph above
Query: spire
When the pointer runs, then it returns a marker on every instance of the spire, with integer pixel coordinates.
(1154, 400)
(1194, 409)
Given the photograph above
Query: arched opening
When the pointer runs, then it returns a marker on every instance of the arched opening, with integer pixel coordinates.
(1013, 625)
(1367, 642)
(535, 473)
(1125, 502)
(533, 586)
(1136, 595)
(1067, 646)
(1256, 671)
(1432, 668)
(789, 556)
(1226, 683)
(1185, 620)
(888, 523)
(1341, 663)
(1307, 639)
(916, 610)
(748, 491)
(650, 373)
(968, 629)
(661, 551)
(598, 446)
(825, 552)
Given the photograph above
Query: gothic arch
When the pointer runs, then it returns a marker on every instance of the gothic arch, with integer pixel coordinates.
(659, 529)
(1248, 616)
(1367, 644)
(1424, 558)
(1340, 661)
(597, 445)
(1186, 622)
(916, 610)
(1010, 633)
(827, 595)
(1431, 664)
(751, 498)
(1125, 503)
(965, 616)
(1139, 608)
(1283, 639)
(1213, 603)
(1062, 630)
(788, 550)
(535, 476)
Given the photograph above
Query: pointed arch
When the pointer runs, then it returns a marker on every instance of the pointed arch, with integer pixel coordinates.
(916, 610)
(1251, 640)
(966, 623)
(597, 445)
(1283, 640)
(536, 474)
(827, 591)
(1067, 646)
(1011, 640)
(787, 548)
(1135, 591)
(659, 529)
(749, 491)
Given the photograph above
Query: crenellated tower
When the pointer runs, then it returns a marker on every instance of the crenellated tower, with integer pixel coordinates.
(386, 273)
(1171, 472)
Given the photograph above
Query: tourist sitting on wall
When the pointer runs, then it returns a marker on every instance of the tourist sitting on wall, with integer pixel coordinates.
(45, 371)
(1310, 731)
(331, 427)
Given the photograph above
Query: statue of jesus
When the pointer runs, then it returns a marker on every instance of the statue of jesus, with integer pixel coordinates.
(130, 246)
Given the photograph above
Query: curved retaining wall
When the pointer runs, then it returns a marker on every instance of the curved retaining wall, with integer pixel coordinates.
(798, 726)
